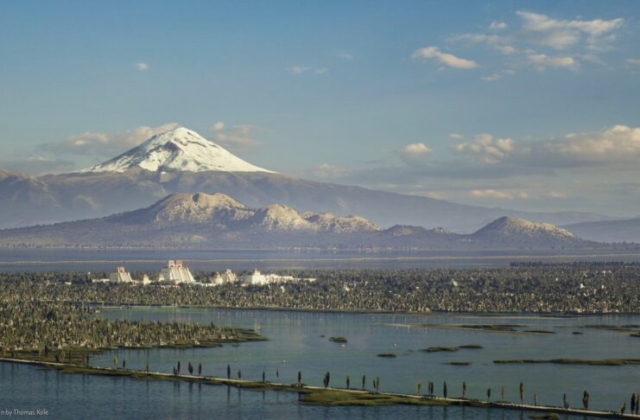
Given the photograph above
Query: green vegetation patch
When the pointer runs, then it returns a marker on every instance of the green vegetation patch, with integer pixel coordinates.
(439, 349)
(471, 347)
(459, 363)
(338, 339)
(389, 355)
(539, 331)
(331, 397)
(493, 327)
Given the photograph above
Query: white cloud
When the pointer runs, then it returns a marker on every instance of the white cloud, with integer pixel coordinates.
(562, 34)
(142, 66)
(542, 62)
(345, 55)
(556, 194)
(217, 126)
(618, 144)
(580, 40)
(502, 44)
(106, 144)
(326, 171)
(633, 61)
(490, 150)
(456, 136)
(498, 25)
(237, 138)
(447, 59)
(498, 75)
(413, 153)
(491, 194)
(297, 70)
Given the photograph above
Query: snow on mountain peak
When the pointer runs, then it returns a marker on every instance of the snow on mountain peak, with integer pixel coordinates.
(179, 149)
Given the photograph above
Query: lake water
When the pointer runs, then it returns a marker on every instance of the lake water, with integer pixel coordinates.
(148, 260)
(298, 341)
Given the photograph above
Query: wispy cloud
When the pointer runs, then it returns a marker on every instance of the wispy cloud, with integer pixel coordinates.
(542, 62)
(449, 60)
(105, 144)
(562, 34)
(542, 42)
(490, 150)
(142, 66)
(345, 55)
(413, 153)
(298, 70)
(239, 138)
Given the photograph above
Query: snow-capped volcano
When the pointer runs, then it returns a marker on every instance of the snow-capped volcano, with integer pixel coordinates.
(179, 149)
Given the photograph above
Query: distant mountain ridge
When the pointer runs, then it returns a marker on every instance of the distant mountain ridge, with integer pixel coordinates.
(624, 230)
(217, 221)
(181, 161)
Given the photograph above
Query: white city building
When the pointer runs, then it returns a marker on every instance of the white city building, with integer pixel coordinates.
(175, 272)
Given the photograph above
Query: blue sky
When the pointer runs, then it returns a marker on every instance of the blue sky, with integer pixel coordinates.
(527, 105)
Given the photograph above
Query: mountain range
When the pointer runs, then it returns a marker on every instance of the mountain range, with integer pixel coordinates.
(218, 221)
(181, 161)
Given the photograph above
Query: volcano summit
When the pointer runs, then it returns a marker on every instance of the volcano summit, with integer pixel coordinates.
(177, 150)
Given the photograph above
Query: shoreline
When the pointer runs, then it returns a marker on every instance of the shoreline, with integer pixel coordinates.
(324, 396)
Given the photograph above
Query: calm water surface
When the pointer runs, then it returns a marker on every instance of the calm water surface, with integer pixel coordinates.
(299, 341)
(106, 260)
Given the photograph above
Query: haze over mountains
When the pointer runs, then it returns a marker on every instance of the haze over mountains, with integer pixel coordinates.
(219, 222)
(180, 160)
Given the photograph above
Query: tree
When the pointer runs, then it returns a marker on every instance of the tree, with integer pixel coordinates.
(364, 380)
(565, 403)
(115, 362)
(377, 384)
(147, 366)
(239, 374)
(228, 371)
(585, 399)
(418, 387)
(348, 382)
(124, 364)
(199, 369)
(444, 389)
(464, 389)
(632, 408)
(277, 373)
(190, 368)
(178, 367)
(488, 394)
(623, 407)
(299, 377)
(521, 392)
(502, 394)
(535, 399)
(326, 379)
